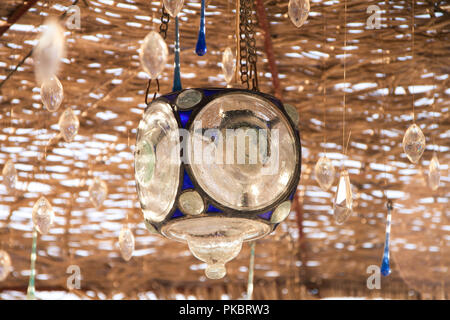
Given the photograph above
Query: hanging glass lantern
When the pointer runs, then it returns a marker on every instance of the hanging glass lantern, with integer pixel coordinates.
(298, 11)
(231, 178)
(5, 265)
(9, 176)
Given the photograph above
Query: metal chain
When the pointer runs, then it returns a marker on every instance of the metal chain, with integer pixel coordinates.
(247, 43)
(165, 18)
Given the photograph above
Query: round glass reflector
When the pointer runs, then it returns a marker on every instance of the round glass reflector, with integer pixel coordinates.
(242, 151)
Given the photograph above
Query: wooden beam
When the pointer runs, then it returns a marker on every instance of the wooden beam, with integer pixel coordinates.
(16, 15)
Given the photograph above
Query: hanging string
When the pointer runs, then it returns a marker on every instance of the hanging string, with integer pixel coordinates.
(412, 60)
(250, 271)
(345, 76)
(324, 83)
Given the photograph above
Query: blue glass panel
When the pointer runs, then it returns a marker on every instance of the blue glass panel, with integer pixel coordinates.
(211, 208)
(171, 97)
(291, 197)
(184, 117)
(187, 183)
(266, 215)
(177, 214)
(208, 93)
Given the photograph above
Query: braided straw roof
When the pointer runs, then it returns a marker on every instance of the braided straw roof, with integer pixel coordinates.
(308, 256)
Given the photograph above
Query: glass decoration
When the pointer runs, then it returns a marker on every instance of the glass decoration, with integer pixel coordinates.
(200, 48)
(126, 243)
(98, 191)
(52, 93)
(43, 215)
(68, 124)
(228, 65)
(153, 54)
(324, 173)
(49, 51)
(434, 175)
(9, 174)
(5, 265)
(385, 268)
(298, 11)
(173, 7)
(414, 143)
(343, 201)
(177, 69)
(230, 179)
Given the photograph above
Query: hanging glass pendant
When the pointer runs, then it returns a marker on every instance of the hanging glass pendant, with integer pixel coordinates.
(434, 175)
(43, 215)
(9, 176)
(200, 48)
(298, 11)
(173, 7)
(98, 192)
(49, 51)
(52, 93)
(126, 243)
(414, 143)
(176, 71)
(5, 265)
(343, 201)
(324, 173)
(385, 268)
(153, 54)
(68, 124)
(228, 65)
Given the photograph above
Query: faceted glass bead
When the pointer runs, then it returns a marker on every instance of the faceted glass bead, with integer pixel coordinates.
(414, 143)
(173, 7)
(434, 175)
(68, 124)
(343, 201)
(324, 173)
(153, 54)
(98, 191)
(242, 151)
(5, 265)
(126, 243)
(191, 203)
(49, 51)
(9, 176)
(157, 161)
(189, 98)
(228, 64)
(43, 215)
(281, 212)
(298, 11)
(52, 93)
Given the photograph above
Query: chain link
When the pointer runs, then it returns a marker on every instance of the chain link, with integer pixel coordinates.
(247, 43)
(165, 18)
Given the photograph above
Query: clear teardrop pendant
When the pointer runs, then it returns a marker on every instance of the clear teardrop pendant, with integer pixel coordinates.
(68, 124)
(9, 176)
(324, 173)
(49, 51)
(414, 143)
(153, 54)
(98, 192)
(5, 265)
(52, 93)
(126, 243)
(343, 201)
(228, 64)
(43, 215)
(298, 11)
(173, 7)
(434, 175)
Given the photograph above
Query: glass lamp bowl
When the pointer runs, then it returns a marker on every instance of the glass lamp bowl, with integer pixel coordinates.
(214, 166)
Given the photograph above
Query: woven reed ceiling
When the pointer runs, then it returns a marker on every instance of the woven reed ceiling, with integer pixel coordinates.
(308, 256)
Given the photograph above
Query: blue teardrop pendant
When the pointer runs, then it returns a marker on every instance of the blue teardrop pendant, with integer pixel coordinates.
(385, 268)
(200, 48)
(176, 72)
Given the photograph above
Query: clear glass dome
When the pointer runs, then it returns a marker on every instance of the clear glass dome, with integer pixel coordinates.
(242, 151)
(215, 240)
(157, 161)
